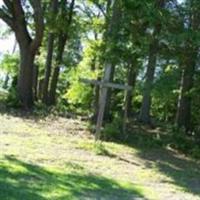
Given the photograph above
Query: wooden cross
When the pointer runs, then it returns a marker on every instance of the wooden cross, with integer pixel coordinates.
(104, 85)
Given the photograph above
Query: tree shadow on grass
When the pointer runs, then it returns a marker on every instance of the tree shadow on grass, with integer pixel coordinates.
(24, 114)
(182, 172)
(36, 113)
(151, 145)
(23, 181)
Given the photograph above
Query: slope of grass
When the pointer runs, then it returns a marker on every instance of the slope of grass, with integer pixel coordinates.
(56, 159)
(21, 180)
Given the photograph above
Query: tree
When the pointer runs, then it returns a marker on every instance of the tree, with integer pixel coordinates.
(63, 36)
(50, 46)
(153, 51)
(189, 61)
(13, 13)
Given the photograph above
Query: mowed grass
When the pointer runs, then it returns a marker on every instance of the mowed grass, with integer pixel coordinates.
(57, 159)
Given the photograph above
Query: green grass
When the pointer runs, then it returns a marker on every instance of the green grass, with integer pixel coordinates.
(37, 164)
(56, 159)
(21, 180)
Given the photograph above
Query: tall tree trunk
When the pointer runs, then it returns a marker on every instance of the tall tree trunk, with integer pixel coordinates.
(14, 16)
(148, 85)
(56, 72)
(25, 80)
(183, 116)
(35, 82)
(48, 68)
(109, 37)
(51, 37)
(60, 50)
(131, 80)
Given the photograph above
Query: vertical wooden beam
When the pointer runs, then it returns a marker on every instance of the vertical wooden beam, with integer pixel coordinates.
(102, 100)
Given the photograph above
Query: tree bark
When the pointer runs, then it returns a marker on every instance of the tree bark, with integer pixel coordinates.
(183, 116)
(35, 82)
(51, 37)
(60, 50)
(25, 80)
(131, 80)
(56, 72)
(148, 85)
(28, 46)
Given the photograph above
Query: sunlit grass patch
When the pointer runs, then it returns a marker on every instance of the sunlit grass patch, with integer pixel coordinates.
(22, 180)
(58, 159)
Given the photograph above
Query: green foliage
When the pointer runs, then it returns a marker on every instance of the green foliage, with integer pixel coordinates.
(12, 99)
(10, 67)
(187, 144)
(100, 149)
(79, 93)
(10, 64)
(165, 93)
(113, 130)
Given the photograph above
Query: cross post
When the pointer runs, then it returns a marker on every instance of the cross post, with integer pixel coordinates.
(104, 85)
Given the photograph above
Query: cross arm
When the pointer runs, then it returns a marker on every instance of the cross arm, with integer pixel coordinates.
(106, 84)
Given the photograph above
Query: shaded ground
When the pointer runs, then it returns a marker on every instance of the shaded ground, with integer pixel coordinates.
(56, 159)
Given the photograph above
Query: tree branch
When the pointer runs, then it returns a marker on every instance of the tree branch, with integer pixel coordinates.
(71, 9)
(8, 4)
(101, 9)
(20, 23)
(6, 18)
(39, 23)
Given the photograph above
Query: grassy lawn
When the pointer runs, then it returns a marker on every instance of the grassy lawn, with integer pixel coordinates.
(56, 159)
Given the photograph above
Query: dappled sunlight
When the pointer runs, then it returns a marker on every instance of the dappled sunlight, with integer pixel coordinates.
(21, 180)
(53, 161)
(180, 171)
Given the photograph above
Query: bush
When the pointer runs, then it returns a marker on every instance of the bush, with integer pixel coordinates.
(12, 98)
(187, 144)
(113, 130)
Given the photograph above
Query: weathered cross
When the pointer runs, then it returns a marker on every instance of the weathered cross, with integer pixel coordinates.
(104, 85)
